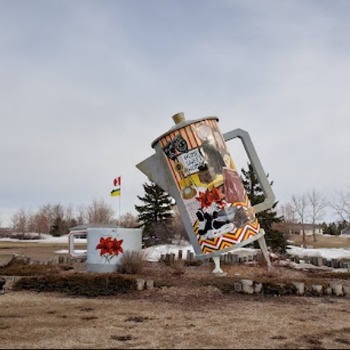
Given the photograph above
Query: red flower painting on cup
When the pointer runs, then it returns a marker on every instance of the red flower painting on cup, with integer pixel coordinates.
(110, 247)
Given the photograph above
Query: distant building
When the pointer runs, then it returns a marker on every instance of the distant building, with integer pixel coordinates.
(297, 229)
(345, 232)
(308, 229)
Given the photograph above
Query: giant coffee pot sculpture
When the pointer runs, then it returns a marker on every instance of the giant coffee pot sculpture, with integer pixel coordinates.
(192, 164)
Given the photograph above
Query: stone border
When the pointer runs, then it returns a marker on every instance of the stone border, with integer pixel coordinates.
(247, 286)
(244, 286)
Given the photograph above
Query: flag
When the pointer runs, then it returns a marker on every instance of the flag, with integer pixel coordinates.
(115, 192)
(117, 183)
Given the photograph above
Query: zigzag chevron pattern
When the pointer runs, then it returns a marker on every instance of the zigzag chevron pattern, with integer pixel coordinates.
(243, 204)
(229, 239)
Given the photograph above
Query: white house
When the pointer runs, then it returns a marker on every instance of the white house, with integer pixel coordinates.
(308, 228)
(345, 232)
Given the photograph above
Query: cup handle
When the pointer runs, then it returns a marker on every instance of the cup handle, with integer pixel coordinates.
(259, 171)
(71, 249)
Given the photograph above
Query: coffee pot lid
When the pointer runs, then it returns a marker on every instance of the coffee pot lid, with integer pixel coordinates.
(180, 122)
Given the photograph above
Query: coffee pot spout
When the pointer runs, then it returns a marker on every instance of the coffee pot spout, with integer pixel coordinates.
(156, 171)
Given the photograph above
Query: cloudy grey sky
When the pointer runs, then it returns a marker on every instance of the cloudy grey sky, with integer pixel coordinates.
(86, 86)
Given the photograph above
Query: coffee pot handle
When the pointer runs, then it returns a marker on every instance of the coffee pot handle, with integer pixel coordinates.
(259, 171)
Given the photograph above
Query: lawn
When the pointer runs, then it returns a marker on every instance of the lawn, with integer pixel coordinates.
(322, 241)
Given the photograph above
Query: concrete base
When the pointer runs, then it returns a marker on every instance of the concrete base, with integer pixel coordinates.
(220, 274)
(102, 268)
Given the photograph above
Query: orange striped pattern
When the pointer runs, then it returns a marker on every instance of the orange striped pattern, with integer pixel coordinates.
(189, 135)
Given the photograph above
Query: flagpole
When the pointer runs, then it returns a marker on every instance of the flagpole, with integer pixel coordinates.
(120, 194)
(120, 203)
(117, 184)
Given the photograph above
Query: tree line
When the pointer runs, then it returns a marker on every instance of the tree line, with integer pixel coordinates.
(311, 208)
(161, 222)
(57, 220)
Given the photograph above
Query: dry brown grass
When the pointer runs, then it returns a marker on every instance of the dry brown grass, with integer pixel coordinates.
(177, 317)
(178, 266)
(132, 262)
(194, 309)
(322, 241)
(33, 250)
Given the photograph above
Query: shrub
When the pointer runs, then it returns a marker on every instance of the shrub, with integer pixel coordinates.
(131, 262)
(20, 235)
(178, 266)
(84, 284)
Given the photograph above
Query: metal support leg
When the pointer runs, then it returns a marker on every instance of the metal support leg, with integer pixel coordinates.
(217, 265)
(263, 247)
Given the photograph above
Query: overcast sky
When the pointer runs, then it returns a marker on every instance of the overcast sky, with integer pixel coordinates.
(86, 86)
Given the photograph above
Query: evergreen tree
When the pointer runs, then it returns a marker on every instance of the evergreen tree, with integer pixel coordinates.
(334, 228)
(274, 238)
(61, 226)
(155, 215)
(57, 227)
(329, 229)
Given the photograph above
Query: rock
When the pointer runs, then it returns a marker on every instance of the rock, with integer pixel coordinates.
(150, 284)
(247, 286)
(337, 289)
(317, 288)
(140, 283)
(300, 288)
(346, 290)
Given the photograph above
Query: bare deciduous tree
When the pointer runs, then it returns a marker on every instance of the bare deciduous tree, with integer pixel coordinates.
(81, 215)
(69, 213)
(289, 217)
(57, 211)
(317, 203)
(300, 205)
(341, 205)
(99, 212)
(20, 221)
(56, 219)
(128, 220)
(42, 220)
